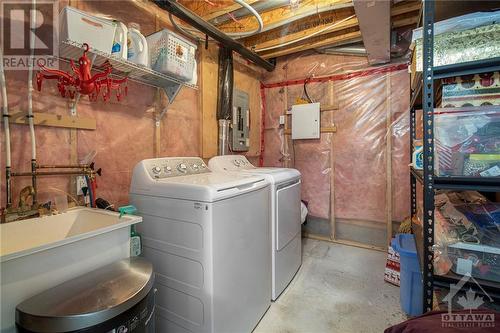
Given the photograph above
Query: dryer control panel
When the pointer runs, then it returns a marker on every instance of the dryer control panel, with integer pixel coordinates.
(175, 166)
(230, 163)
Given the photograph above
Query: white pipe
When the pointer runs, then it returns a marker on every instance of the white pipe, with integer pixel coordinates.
(30, 80)
(5, 111)
(254, 13)
(182, 30)
(305, 37)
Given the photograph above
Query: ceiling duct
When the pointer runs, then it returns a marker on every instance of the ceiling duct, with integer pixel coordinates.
(354, 49)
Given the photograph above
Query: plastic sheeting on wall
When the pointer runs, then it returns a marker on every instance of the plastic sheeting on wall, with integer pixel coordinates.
(370, 109)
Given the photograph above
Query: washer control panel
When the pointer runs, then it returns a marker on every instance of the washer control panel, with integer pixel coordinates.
(175, 166)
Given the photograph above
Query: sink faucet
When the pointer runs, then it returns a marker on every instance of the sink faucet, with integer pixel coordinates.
(24, 196)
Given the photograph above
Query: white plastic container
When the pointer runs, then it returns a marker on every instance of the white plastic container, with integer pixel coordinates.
(120, 48)
(137, 46)
(81, 27)
(40, 253)
(172, 54)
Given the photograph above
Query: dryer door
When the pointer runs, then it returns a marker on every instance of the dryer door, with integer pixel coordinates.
(288, 214)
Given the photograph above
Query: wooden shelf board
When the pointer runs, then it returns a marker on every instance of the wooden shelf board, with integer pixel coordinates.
(331, 129)
(54, 120)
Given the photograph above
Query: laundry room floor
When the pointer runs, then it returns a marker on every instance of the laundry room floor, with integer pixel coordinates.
(339, 288)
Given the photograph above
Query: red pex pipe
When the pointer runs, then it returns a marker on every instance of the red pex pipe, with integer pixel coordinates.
(262, 123)
(338, 77)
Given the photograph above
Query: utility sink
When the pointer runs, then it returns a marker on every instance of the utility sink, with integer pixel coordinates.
(40, 253)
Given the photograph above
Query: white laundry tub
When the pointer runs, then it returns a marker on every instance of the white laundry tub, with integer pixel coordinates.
(40, 253)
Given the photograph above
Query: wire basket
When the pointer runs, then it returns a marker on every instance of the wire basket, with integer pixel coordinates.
(172, 54)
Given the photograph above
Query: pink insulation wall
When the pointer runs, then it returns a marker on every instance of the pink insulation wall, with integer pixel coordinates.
(363, 107)
(125, 130)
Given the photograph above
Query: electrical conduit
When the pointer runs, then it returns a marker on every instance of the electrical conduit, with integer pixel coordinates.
(5, 118)
(236, 35)
(30, 97)
(254, 13)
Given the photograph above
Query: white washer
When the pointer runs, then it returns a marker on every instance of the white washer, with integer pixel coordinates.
(207, 235)
(285, 207)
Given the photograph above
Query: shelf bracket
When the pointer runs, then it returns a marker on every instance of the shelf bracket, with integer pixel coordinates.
(172, 90)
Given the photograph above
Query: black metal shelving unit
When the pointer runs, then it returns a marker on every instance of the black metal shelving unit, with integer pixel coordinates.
(423, 96)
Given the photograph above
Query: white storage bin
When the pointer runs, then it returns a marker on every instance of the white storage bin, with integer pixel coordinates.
(172, 54)
(81, 27)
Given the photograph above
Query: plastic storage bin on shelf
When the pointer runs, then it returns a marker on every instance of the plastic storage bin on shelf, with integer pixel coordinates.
(467, 141)
(468, 234)
(411, 285)
(172, 54)
(81, 27)
(470, 37)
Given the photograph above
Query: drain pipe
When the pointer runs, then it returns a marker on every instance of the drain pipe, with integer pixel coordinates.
(6, 127)
(223, 136)
(30, 99)
(225, 97)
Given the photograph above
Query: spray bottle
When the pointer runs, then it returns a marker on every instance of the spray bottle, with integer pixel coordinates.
(135, 237)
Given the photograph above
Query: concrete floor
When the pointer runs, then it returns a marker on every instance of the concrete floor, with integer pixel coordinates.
(338, 289)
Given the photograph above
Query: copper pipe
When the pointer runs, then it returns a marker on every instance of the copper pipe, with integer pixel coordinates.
(68, 166)
(8, 186)
(51, 173)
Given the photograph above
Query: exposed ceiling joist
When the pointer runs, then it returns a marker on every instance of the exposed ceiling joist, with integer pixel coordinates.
(406, 7)
(225, 10)
(403, 22)
(267, 40)
(321, 41)
(274, 18)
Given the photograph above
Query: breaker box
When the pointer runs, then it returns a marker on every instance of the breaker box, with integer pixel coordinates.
(240, 131)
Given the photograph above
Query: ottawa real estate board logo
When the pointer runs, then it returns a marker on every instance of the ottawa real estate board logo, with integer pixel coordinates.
(470, 301)
(24, 25)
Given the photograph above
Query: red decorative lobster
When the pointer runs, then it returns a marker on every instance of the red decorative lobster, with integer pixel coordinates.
(82, 81)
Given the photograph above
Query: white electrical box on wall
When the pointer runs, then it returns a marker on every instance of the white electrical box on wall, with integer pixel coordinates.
(305, 121)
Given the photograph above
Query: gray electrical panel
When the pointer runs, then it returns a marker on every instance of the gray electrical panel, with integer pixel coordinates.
(240, 131)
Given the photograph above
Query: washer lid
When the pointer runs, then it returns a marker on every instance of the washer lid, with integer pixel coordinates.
(188, 183)
(275, 175)
(206, 187)
(88, 300)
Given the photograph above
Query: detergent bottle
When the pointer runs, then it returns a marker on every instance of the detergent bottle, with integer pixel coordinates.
(137, 46)
(120, 40)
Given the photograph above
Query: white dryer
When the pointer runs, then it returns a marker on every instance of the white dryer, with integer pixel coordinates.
(207, 235)
(286, 247)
